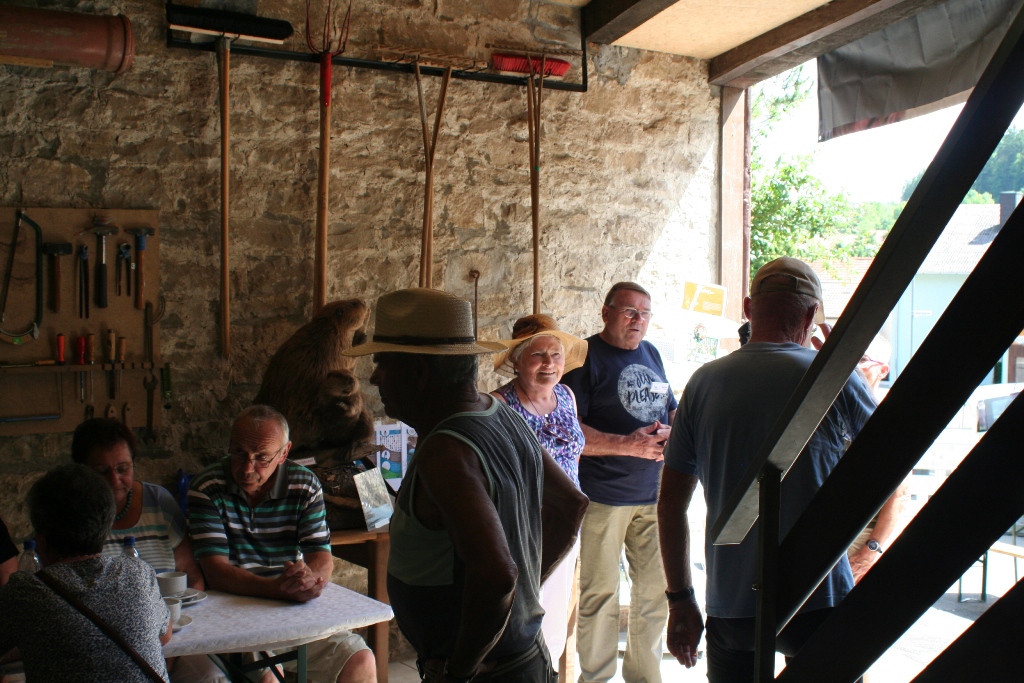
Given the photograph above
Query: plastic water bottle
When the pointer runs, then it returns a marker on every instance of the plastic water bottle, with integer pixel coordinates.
(129, 548)
(28, 561)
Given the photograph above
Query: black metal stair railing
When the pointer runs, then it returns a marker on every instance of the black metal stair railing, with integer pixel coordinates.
(990, 309)
(937, 381)
(978, 502)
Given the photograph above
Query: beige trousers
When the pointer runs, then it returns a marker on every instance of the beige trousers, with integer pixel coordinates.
(606, 529)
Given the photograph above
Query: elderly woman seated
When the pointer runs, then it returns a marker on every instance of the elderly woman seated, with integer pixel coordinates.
(146, 511)
(71, 510)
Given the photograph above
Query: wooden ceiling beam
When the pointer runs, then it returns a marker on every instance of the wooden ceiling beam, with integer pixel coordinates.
(808, 36)
(605, 21)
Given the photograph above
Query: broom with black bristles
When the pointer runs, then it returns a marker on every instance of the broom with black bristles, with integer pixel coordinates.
(227, 26)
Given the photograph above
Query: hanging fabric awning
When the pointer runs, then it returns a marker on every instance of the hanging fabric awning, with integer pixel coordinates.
(922, 64)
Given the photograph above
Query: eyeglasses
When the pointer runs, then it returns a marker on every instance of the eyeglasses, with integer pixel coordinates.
(868, 360)
(633, 313)
(259, 460)
(121, 469)
(556, 432)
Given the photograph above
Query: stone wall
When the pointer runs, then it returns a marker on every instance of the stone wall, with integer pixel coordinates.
(628, 189)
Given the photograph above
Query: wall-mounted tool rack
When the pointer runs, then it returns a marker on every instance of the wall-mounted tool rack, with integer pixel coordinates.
(36, 399)
(241, 48)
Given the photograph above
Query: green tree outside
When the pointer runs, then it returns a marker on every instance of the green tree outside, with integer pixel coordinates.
(792, 212)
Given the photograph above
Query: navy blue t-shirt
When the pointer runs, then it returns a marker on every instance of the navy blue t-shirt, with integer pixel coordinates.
(618, 391)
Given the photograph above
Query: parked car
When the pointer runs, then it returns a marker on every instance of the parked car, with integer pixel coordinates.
(990, 408)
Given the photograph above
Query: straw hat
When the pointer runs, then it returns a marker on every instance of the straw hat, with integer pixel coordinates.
(530, 326)
(426, 321)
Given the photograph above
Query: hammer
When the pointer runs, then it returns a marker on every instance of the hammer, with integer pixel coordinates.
(140, 259)
(102, 227)
(55, 250)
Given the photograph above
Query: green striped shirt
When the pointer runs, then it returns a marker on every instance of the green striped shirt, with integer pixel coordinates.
(259, 539)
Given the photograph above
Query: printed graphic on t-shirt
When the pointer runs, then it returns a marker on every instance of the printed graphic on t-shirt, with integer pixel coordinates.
(636, 392)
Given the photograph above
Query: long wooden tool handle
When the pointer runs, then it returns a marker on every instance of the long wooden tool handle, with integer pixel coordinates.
(430, 147)
(428, 187)
(532, 124)
(224, 63)
(323, 188)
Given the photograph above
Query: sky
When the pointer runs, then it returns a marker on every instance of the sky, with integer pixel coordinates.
(871, 165)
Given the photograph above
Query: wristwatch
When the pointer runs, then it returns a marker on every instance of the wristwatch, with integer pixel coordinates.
(679, 596)
(874, 546)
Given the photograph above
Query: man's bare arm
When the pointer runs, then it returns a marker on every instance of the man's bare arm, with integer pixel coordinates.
(223, 576)
(888, 518)
(685, 624)
(185, 561)
(646, 442)
(457, 500)
(562, 509)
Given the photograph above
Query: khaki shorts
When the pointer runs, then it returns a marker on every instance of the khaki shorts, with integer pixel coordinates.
(326, 658)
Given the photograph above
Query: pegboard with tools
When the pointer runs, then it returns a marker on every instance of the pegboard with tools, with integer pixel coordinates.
(80, 309)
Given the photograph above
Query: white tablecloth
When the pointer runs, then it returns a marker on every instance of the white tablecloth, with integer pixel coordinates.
(236, 623)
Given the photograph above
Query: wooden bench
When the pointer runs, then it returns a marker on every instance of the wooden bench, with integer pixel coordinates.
(1000, 548)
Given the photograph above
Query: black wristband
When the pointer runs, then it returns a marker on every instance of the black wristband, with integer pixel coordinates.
(679, 596)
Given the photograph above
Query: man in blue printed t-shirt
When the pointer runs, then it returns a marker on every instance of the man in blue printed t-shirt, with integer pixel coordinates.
(625, 409)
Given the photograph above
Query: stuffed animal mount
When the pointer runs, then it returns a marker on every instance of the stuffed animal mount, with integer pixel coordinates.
(312, 385)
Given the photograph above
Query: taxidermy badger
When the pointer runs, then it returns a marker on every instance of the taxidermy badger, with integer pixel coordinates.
(312, 385)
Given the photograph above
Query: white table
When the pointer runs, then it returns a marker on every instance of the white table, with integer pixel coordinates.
(226, 623)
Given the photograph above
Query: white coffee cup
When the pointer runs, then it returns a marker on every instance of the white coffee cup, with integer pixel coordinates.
(174, 605)
(172, 583)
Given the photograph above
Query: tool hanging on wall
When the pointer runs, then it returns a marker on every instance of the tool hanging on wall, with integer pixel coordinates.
(55, 250)
(90, 359)
(102, 227)
(124, 268)
(418, 57)
(325, 49)
(140, 260)
(80, 359)
(111, 350)
(32, 331)
(227, 26)
(150, 384)
(83, 281)
(537, 65)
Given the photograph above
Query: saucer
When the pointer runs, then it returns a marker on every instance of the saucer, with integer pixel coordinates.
(192, 596)
(181, 623)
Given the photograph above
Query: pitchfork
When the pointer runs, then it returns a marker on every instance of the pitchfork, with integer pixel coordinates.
(327, 52)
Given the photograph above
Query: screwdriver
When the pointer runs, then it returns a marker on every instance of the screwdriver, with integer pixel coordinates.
(80, 357)
(121, 343)
(90, 358)
(111, 347)
(60, 349)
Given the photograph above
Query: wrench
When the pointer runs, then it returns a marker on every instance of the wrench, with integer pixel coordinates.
(150, 383)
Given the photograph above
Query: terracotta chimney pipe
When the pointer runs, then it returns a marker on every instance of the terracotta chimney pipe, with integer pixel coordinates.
(69, 38)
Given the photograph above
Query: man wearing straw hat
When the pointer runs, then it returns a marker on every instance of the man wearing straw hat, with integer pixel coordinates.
(467, 550)
(625, 406)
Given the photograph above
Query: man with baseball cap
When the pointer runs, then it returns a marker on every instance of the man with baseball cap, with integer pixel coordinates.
(728, 409)
(467, 550)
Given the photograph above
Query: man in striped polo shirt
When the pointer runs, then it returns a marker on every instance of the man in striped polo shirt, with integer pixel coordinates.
(251, 514)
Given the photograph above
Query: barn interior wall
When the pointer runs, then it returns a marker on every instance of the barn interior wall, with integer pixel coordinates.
(629, 189)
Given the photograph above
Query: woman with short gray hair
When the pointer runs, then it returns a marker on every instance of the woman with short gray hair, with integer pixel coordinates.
(71, 509)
